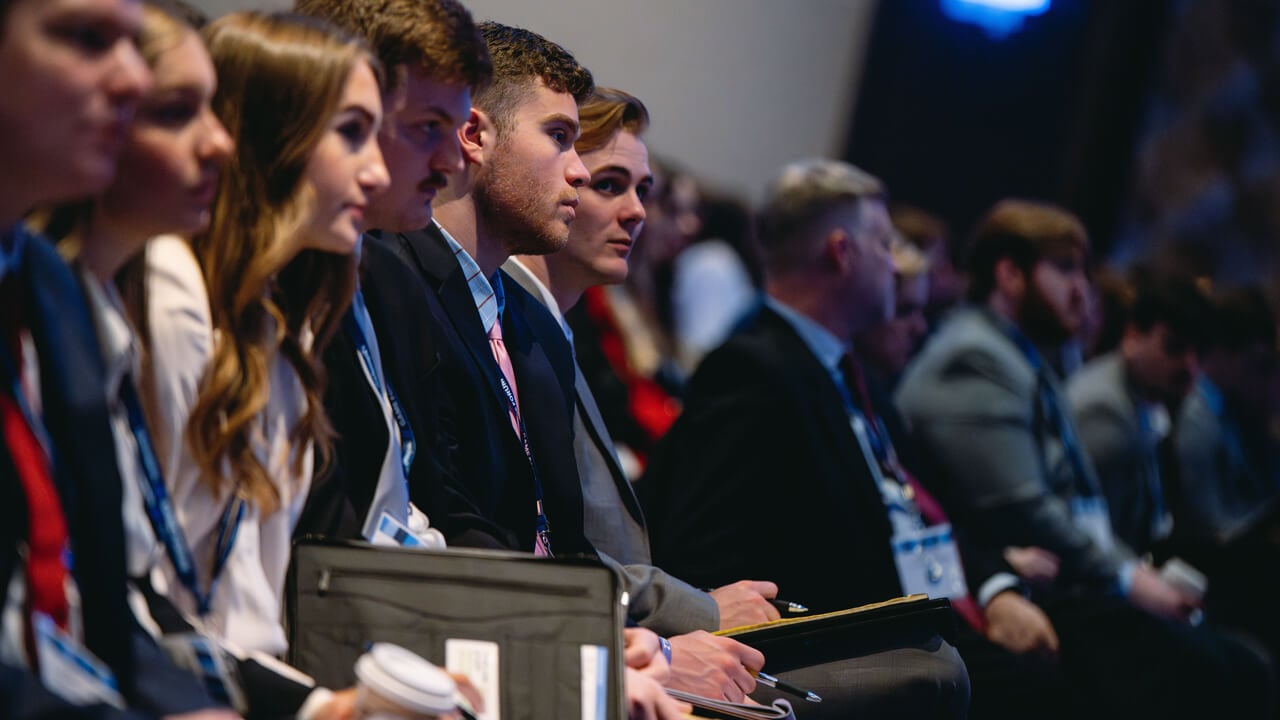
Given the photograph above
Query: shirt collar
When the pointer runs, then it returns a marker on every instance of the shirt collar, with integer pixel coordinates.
(115, 333)
(519, 272)
(1212, 394)
(821, 342)
(486, 293)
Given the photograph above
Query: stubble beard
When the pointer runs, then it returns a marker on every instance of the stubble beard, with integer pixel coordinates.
(1038, 318)
(508, 201)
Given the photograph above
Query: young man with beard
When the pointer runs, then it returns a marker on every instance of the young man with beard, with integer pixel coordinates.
(1122, 403)
(509, 396)
(985, 404)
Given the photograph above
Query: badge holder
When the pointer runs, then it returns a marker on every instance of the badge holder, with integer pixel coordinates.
(69, 670)
(203, 657)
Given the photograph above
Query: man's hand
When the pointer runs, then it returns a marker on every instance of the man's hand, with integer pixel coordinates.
(745, 602)
(715, 667)
(646, 700)
(1150, 592)
(1035, 565)
(469, 691)
(643, 653)
(1020, 626)
(342, 706)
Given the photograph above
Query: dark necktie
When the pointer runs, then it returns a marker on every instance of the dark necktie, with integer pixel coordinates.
(46, 525)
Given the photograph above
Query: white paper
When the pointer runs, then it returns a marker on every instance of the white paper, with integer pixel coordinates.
(478, 660)
(595, 682)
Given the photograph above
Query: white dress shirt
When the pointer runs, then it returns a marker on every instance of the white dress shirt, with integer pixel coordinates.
(246, 605)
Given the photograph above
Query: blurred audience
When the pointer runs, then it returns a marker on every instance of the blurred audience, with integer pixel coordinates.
(987, 406)
(1123, 403)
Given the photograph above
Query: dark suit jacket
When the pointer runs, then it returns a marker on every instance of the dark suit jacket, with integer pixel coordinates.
(398, 304)
(88, 481)
(491, 495)
(762, 477)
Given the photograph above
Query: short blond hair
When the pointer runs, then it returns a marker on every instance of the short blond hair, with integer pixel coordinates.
(799, 202)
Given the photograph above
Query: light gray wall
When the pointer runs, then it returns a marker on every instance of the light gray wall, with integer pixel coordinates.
(736, 88)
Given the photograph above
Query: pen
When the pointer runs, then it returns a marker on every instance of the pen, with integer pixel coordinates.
(787, 606)
(770, 681)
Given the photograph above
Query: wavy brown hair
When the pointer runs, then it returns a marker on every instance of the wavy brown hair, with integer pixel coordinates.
(280, 79)
(604, 114)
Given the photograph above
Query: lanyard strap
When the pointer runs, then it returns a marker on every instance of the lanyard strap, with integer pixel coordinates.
(1054, 411)
(885, 457)
(543, 526)
(160, 509)
(408, 443)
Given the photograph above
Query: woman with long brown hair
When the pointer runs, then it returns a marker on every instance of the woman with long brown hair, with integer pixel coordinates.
(240, 316)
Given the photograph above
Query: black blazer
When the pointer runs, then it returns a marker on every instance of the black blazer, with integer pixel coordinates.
(762, 477)
(87, 476)
(491, 491)
(399, 305)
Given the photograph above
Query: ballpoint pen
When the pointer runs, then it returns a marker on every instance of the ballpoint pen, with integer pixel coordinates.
(786, 606)
(770, 681)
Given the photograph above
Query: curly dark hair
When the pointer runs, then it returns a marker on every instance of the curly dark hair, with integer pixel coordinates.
(437, 35)
(520, 58)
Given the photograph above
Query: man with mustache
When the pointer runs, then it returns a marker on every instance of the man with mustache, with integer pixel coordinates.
(389, 460)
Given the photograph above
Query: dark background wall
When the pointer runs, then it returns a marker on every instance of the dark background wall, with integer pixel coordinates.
(953, 118)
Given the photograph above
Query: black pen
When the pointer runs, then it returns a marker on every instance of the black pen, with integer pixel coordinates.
(786, 606)
(770, 681)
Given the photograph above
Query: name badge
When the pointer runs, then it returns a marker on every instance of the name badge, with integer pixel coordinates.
(203, 657)
(929, 563)
(69, 670)
(393, 533)
(1091, 516)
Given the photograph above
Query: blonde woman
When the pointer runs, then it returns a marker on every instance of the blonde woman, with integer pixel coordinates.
(240, 316)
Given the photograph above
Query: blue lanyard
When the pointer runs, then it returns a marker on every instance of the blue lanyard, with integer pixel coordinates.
(408, 444)
(1149, 438)
(1054, 411)
(543, 526)
(160, 510)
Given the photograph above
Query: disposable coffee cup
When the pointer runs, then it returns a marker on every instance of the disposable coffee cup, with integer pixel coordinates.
(1186, 578)
(396, 684)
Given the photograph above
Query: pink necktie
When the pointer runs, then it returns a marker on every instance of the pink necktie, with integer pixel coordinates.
(499, 349)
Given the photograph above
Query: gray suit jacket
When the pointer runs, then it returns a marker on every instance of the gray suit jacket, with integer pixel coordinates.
(1105, 405)
(613, 521)
(1222, 486)
(971, 399)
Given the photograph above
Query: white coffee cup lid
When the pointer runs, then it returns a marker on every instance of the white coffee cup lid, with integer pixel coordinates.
(406, 679)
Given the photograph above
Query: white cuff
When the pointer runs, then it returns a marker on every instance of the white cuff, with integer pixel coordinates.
(995, 585)
(315, 703)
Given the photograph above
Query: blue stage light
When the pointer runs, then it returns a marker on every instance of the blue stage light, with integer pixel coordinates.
(999, 18)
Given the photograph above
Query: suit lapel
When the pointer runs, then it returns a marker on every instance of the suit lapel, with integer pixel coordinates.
(854, 484)
(434, 258)
(594, 423)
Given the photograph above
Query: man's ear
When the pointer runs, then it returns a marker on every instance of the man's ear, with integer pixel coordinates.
(1011, 281)
(837, 249)
(477, 136)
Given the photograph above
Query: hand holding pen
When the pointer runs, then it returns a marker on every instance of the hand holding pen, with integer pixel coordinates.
(768, 680)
